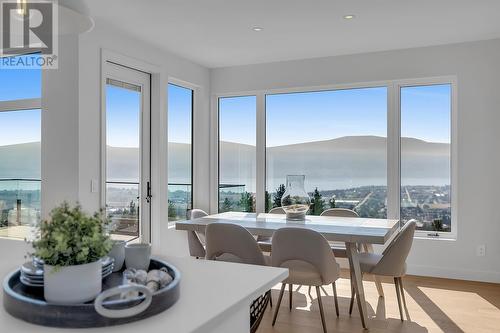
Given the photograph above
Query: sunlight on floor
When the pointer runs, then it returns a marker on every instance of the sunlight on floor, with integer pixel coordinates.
(433, 305)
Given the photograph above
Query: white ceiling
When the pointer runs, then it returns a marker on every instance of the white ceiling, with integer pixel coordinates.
(218, 33)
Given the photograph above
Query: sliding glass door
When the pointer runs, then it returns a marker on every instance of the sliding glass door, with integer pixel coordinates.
(126, 152)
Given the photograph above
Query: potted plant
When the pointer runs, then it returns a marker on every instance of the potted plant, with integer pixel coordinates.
(71, 244)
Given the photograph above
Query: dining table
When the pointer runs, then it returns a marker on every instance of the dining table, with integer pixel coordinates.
(350, 230)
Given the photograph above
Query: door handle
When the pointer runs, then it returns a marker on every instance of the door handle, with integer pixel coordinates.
(148, 192)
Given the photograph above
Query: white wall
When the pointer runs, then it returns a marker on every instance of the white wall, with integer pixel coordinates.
(477, 67)
(60, 128)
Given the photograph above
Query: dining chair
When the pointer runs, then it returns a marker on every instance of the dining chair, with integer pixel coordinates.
(277, 210)
(233, 243)
(310, 261)
(392, 262)
(339, 249)
(265, 241)
(196, 240)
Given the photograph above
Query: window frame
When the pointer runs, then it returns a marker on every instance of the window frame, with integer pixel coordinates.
(23, 104)
(217, 179)
(452, 81)
(393, 141)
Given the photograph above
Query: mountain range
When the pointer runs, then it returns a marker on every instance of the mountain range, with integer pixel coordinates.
(337, 163)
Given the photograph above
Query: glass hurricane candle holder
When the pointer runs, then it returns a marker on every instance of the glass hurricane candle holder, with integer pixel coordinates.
(295, 201)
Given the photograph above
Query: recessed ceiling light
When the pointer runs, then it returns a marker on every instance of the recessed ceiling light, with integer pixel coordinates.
(349, 17)
(257, 29)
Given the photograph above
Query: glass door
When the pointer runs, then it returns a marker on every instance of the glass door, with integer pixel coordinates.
(126, 152)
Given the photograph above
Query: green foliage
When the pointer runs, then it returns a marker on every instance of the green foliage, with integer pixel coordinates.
(246, 202)
(72, 237)
(226, 205)
(331, 202)
(279, 194)
(437, 225)
(172, 213)
(318, 205)
(269, 201)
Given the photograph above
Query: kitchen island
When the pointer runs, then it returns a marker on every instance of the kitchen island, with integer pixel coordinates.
(215, 297)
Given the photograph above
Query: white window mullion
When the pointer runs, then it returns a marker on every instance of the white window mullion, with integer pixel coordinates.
(260, 195)
(393, 152)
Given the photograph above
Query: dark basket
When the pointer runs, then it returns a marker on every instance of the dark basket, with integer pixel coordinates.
(257, 309)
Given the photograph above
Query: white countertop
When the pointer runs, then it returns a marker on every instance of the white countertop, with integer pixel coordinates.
(210, 291)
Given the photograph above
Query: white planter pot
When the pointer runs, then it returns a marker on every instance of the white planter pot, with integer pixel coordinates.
(72, 284)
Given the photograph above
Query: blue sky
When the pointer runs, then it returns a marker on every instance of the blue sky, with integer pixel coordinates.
(20, 126)
(179, 114)
(122, 117)
(425, 112)
(290, 118)
(20, 83)
(237, 121)
(314, 116)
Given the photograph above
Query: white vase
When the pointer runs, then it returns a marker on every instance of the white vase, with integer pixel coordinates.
(72, 284)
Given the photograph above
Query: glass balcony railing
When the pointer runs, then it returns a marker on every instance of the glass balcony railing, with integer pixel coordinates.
(123, 207)
(19, 206)
(234, 197)
(179, 201)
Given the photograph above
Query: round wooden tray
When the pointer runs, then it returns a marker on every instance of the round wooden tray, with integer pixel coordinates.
(28, 303)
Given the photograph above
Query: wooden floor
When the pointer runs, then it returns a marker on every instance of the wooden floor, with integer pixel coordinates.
(434, 305)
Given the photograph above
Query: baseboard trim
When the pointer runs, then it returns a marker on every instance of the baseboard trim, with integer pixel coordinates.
(452, 273)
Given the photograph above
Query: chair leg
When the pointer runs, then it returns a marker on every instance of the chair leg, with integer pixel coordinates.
(320, 303)
(400, 279)
(335, 298)
(396, 283)
(283, 285)
(351, 304)
(290, 290)
(270, 299)
(353, 295)
(309, 290)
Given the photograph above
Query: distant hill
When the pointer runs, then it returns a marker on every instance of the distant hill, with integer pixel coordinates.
(20, 161)
(343, 162)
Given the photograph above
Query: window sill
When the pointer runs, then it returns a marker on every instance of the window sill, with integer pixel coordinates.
(435, 238)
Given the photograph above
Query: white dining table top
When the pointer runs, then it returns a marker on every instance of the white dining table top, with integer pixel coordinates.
(342, 229)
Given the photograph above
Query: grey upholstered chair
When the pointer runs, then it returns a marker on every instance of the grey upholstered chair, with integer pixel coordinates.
(277, 210)
(233, 243)
(339, 249)
(392, 261)
(265, 241)
(196, 240)
(310, 261)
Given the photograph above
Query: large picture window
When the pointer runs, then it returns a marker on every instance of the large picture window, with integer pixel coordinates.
(180, 149)
(384, 151)
(20, 151)
(237, 153)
